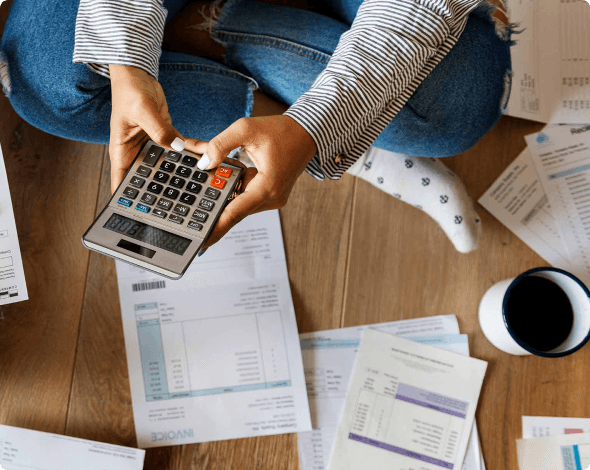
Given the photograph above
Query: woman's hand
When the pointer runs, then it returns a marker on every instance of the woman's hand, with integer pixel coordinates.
(140, 112)
(279, 147)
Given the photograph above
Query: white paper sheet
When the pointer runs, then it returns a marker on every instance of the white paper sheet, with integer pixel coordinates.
(216, 355)
(23, 449)
(565, 452)
(561, 155)
(540, 426)
(328, 359)
(518, 200)
(550, 61)
(408, 405)
(13, 287)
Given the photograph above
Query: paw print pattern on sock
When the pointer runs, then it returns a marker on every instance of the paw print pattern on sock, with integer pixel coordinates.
(425, 181)
(458, 219)
(418, 206)
(397, 195)
(409, 163)
(380, 180)
(368, 165)
(444, 199)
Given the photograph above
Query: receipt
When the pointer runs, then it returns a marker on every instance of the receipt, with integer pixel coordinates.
(13, 287)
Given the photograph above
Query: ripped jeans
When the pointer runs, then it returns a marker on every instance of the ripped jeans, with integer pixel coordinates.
(279, 49)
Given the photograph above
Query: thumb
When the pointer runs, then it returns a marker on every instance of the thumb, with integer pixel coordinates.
(222, 144)
(158, 129)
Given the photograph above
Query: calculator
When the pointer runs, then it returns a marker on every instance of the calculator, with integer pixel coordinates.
(163, 210)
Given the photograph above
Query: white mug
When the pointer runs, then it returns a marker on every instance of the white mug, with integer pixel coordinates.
(493, 322)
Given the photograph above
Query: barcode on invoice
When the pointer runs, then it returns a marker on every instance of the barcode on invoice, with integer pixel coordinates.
(148, 285)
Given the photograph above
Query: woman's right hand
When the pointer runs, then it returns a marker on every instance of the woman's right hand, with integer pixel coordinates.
(139, 112)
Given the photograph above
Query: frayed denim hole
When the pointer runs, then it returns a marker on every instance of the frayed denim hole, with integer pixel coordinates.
(5, 75)
(504, 31)
(507, 89)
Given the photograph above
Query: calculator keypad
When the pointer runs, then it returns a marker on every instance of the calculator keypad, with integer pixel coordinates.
(171, 193)
(148, 198)
(155, 188)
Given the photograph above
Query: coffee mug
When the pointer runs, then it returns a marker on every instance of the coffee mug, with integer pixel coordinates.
(514, 331)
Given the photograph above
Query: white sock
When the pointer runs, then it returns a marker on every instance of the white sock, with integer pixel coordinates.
(428, 185)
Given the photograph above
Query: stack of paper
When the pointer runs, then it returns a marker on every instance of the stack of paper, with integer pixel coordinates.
(544, 197)
(554, 444)
(387, 418)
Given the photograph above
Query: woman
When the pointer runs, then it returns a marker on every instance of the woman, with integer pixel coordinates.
(371, 86)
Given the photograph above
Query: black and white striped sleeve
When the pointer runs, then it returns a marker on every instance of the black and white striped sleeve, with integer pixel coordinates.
(123, 32)
(389, 50)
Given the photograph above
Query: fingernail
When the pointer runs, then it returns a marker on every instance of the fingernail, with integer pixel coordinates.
(202, 252)
(177, 144)
(204, 162)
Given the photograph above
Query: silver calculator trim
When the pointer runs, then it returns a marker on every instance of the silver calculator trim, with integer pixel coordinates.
(165, 263)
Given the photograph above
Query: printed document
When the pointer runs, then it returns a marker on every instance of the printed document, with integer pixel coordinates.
(328, 359)
(409, 405)
(13, 287)
(23, 449)
(540, 426)
(561, 155)
(216, 354)
(564, 452)
(551, 61)
(518, 200)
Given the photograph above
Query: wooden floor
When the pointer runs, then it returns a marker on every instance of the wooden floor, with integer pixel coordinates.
(367, 258)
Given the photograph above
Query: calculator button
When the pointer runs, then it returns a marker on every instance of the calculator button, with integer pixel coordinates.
(174, 218)
(177, 182)
(218, 182)
(212, 193)
(161, 177)
(206, 204)
(137, 181)
(148, 198)
(171, 193)
(155, 188)
(142, 208)
(173, 156)
(143, 171)
(200, 216)
(125, 202)
(159, 213)
(167, 166)
(194, 225)
(223, 171)
(200, 176)
(153, 155)
(130, 192)
(193, 187)
(188, 198)
(164, 203)
(181, 210)
(183, 171)
(189, 161)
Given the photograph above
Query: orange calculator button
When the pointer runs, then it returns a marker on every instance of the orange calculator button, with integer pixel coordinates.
(218, 182)
(223, 171)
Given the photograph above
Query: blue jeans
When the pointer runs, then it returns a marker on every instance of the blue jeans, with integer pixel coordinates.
(280, 49)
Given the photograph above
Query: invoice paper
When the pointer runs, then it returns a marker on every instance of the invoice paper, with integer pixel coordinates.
(518, 200)
(23, 449)
(216, 354)
(13, 287)
(561, 155)
(565, 452)
(328, 359)
(551, 61)
(409, 405)
(540, 426)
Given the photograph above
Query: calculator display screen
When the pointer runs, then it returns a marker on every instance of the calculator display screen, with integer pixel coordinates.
(148, 234)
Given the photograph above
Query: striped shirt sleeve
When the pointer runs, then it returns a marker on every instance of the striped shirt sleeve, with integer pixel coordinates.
(390, 49)
(123, 32)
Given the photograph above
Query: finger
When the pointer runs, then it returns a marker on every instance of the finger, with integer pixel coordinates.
(157, 128)
(222, 144)
(196, 146)
(121, 157)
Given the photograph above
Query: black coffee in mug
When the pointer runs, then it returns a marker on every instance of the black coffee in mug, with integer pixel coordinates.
(539, 313)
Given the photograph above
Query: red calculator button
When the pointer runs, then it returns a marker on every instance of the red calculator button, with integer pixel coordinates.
(223, 171)
(218, 182)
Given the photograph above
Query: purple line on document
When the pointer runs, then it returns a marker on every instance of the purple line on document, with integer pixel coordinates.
(429, 405)
(432, 400)
(399, 450)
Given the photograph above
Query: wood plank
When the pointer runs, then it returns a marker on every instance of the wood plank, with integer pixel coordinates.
(403, 266)
(53, 186)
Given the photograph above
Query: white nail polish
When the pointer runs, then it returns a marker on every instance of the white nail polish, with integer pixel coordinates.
(204, 162)
(177, 144)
